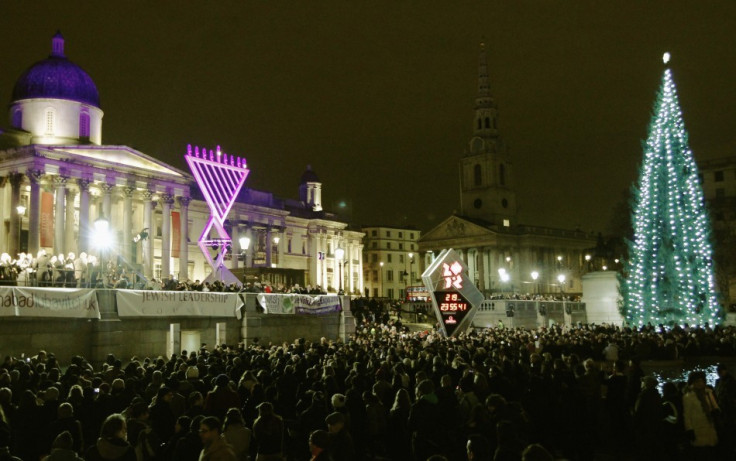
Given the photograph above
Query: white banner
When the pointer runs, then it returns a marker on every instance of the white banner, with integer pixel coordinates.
(148, 303)
(299, 304)
(48, 302)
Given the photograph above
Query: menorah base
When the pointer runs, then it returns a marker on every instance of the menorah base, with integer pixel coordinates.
(224, 275)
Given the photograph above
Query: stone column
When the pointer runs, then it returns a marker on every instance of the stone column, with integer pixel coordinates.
(16, 179)
(69, 240)
(34, 212)
(83, 242)
(149, 226)
(249, 252)
(235, 246)
(269, 245)
(59, 226)
(107, 202)
(184, 236)
(128, 224)
(166, 201)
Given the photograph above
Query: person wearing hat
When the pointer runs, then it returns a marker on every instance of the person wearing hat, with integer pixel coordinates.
(268, 432)
(62, 449)
(340, 440)
(699, 408)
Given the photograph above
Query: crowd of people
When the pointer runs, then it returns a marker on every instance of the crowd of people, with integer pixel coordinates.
(387, 393)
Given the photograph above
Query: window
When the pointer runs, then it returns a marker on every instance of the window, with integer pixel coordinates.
(288, 246)
(401, 235)
(50, 121)
(388, 234)
(480, 124)
(477, 175)
(375, 292)
(488, 122)
(718, 176)
(401, 258)
(388, 258)
(374, 233)
(412, 246)
(411, 236)
(506, 223)
(84, 125)
(390, 276)
(374, 258)
(304, 249)
(390, 293)
(401, 246)
(375, 245)
(502, 174)
(375, 276)
(388, 245)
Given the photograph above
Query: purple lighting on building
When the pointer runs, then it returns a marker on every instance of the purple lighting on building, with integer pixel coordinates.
(220, 182)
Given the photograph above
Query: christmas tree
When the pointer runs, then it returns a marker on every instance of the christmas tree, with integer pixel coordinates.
(669, 276)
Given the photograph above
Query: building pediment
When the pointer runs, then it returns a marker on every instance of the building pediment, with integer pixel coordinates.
(456, 227)
(122, 158)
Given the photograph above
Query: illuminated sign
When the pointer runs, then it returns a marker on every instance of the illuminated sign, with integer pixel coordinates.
(453, 299)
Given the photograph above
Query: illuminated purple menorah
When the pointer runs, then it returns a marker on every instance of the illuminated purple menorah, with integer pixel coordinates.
(220, 178)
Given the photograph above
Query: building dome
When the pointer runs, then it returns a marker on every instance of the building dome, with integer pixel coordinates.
(57, 78)
(309, 176)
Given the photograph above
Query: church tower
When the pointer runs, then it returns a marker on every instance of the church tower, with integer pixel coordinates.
(486, 174)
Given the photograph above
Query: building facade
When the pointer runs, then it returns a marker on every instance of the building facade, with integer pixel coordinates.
(59, 181)
(391, 261)
(503, 255)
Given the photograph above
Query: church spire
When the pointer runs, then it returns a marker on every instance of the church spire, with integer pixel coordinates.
(485, 106)
(57, 45)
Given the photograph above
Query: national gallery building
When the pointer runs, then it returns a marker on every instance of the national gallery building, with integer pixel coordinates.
(59, 181)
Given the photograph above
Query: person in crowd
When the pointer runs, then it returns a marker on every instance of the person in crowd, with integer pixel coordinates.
(112, 444)
(319, 442)
(424, 422)
(268, 432)
(215, 446)
(221, 398)
(340, 441)
(190, 446)
(699, 412)
(236, 434)
(62, 449)
(725, 391)
(181, 429)
(478, 448)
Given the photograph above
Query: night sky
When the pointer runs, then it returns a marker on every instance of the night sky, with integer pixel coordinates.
(378, 96)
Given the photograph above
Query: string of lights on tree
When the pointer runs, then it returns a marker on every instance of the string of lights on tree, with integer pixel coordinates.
(670, 269)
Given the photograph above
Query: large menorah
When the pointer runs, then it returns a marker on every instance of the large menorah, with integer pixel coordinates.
(220, 178)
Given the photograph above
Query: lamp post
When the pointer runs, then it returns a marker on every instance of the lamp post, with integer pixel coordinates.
(587, 262)
(244, 244)
(339, 255)
(503, 275)
(561, 278)
(21, 212)
(535, 276)
(380, 282)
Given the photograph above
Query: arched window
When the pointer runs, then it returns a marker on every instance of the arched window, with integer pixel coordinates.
(18, 119)
(488, 122)
(50, 121)
(478, 175)
(502, 174)
(84, 125)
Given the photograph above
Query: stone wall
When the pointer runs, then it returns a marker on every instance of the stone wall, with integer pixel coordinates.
(160, 336)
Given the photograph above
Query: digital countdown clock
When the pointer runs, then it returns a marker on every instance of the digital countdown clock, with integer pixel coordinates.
(454, 296)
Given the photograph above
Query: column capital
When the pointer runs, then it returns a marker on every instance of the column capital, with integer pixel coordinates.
(34, 176)
(16, 179)
(128, 191)
(147, 195)
(106, 188)
(60, 181)
(83, 184)
(184, 201)
(167, 199)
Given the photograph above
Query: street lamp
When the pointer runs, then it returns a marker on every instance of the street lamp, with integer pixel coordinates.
(21, 209)
(244, 244)
(587, 262)
(535, 276)
(339, 255)
(561, 278)
(503, 275)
